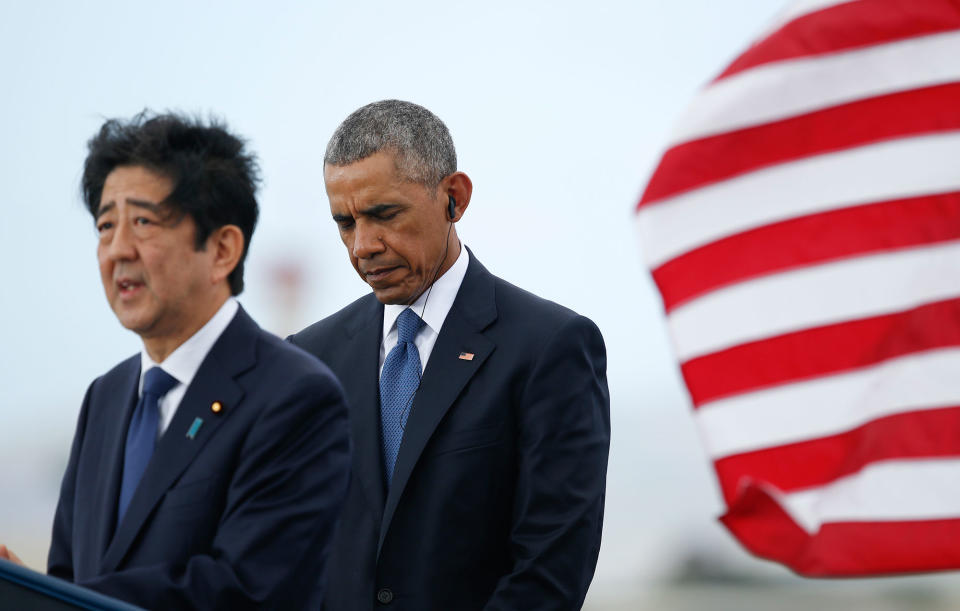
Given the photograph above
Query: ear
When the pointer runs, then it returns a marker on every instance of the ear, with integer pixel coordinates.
(226, 244)
(460, 187)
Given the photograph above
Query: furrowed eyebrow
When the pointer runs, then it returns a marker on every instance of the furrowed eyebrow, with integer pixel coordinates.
(151, 206)
(379, 209)
(139, 203)
(107, 207)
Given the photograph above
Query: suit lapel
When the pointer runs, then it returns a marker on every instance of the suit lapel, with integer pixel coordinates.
(233, 353)
(107, 488)
(361, 383)
(445, 376)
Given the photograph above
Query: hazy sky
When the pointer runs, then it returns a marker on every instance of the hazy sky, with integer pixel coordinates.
(559, 111)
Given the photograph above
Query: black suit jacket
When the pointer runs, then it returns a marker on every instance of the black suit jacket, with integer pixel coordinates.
(238, 517)
(497, 495)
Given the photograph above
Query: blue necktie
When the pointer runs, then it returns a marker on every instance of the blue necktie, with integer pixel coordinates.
(399, 381)
(142, 434)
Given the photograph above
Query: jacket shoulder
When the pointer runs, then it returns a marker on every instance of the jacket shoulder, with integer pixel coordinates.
(537, 320)
(319, 331)
(287, 361)
(119, 374)
(513, 301)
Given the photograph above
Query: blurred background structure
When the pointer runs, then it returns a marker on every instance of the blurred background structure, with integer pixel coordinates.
(559, 111)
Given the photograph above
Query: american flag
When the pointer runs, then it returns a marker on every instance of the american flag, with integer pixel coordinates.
(803, 228)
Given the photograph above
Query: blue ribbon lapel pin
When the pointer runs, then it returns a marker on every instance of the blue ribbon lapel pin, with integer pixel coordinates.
(197, 423)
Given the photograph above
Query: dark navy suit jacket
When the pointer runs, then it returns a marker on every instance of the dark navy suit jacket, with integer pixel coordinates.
(497, 496)
(238, 517)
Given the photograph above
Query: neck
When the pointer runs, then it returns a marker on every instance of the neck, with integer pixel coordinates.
(451, 254)
(159, 347)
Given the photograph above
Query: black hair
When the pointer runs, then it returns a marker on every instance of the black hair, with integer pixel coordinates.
(215, 179)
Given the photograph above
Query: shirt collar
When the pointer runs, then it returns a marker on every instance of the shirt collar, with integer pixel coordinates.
(438, 298)
(184, 362)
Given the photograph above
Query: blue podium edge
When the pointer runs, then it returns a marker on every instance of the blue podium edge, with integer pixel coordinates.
(61, 590)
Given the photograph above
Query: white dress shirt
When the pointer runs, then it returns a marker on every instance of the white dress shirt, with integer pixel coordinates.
(184, 362)
(433, 307)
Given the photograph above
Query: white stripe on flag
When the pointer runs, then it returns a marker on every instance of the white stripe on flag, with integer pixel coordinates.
(790, 87)
(829, 405)
(882, 492)
(815, 296)
(888, 170)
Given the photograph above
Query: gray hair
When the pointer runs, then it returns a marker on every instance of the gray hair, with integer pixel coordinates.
(419, 139)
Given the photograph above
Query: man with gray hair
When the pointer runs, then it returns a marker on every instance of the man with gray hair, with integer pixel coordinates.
(480, 412)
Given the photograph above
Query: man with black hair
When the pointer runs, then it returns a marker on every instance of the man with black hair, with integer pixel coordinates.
(208, 471)
(479, 412)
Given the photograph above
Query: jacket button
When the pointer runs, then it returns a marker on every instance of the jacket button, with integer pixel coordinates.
(384, 596)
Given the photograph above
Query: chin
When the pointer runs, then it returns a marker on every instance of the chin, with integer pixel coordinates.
(385, 298)
(133, 325)
(131, 321)
(389, 296)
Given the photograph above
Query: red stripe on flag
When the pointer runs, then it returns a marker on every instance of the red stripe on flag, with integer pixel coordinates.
(708, 160)
(919, 434)
(848, 26)
(841, 548)
(822, 350)
(808, 240)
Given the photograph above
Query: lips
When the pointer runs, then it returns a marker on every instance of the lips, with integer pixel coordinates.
(380, 273)
(128, 287)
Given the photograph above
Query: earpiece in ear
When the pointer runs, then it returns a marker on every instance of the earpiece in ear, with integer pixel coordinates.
(452, 208)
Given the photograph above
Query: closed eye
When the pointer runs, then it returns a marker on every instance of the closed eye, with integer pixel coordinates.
(343, 222)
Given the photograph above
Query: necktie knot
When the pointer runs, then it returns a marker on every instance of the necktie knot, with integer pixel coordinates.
(408, 324)
(157, 382)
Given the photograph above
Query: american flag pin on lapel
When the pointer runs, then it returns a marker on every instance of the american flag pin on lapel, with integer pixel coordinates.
(197, 423)
(466, 356)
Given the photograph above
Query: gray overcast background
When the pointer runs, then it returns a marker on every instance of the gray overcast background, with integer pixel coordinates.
(559, 111)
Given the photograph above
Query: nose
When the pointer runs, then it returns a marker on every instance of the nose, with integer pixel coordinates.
(366, 242)
(121, 246)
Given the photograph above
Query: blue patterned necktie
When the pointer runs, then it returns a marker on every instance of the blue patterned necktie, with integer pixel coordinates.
(142, 434)
(399, 381)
